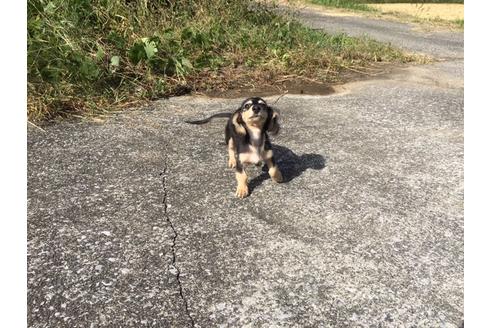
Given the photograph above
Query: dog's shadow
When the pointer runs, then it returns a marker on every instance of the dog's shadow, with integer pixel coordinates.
(290, 164)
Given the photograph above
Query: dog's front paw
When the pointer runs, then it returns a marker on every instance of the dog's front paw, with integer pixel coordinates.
(242, 191)
(232, 162)
(276, 175)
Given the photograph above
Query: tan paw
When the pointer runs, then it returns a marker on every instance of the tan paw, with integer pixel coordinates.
(231, 163)
(276, 175)
(242, 191)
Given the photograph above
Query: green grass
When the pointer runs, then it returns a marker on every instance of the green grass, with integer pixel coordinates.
(459, 23)
(92, 56)
(348, 4)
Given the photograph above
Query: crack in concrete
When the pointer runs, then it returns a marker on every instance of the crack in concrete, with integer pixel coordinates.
(173, 268)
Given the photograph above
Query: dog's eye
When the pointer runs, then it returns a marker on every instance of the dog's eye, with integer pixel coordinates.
(247, 106)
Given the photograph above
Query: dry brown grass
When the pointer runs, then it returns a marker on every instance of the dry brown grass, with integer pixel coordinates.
(444, 11)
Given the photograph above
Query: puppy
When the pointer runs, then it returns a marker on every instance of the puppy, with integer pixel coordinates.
(246, 137)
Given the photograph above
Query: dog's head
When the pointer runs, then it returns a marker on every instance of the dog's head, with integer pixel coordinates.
(255, 112)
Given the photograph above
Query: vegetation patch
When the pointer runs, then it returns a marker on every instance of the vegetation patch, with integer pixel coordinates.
(91, 56)
(348, 4)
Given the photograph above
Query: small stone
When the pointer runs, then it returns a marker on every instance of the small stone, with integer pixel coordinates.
(173, 270)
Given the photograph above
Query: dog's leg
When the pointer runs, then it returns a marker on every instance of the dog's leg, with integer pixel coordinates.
(242, 180)
(273, 170)
(232, 153)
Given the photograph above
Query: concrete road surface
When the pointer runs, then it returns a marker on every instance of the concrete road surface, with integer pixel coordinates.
(133, 222)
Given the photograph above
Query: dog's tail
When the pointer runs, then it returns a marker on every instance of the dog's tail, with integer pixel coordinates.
(208, 119)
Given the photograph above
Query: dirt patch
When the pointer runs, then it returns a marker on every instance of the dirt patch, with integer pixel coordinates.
(300, 85)
(291, 87)
(445, 11)
(233, 82)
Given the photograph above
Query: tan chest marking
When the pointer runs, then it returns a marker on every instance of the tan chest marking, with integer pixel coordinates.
(253, 155)
(250, 157)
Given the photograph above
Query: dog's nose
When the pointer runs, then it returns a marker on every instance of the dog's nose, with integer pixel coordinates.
(256, 109)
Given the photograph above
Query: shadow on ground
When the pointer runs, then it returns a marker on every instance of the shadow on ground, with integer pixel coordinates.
(290, 164)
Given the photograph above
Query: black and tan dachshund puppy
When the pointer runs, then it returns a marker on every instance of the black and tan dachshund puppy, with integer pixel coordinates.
(246, 136)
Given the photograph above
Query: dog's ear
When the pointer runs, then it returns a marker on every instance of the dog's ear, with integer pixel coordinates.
(273, 123)
(238, 123)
